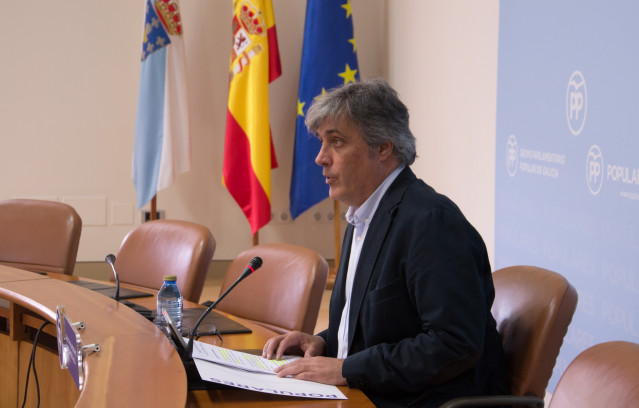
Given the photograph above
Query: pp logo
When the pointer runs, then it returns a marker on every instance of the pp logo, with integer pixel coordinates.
(594, 169)
(576, 103)
(512, 155)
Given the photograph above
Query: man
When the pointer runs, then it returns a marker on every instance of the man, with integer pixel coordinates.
(409, 319)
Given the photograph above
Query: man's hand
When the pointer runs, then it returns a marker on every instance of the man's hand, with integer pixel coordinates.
(324, 370)
(294, 343)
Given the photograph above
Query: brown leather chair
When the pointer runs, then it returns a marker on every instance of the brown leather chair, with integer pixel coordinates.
(39, 235)
(166, 247)
(284, 294)
(533, 308)
(604, 375)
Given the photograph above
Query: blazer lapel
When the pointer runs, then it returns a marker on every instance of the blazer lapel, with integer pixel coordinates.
(338, 297)
(375, 237)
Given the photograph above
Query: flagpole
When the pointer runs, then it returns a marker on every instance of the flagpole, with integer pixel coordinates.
(337, 232)
(154, 212)
(256, 238)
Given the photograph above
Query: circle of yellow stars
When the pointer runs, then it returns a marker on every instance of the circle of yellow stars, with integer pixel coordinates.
(348, 74)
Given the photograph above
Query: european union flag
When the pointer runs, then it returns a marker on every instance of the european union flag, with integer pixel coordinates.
(329, 59)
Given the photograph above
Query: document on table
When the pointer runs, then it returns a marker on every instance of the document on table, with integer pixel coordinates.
(250, 372)
(238, 359)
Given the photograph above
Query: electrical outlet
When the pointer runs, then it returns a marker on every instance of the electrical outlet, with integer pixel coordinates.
(285, 216)
(281, 217)
(146, 215)
(329, 216)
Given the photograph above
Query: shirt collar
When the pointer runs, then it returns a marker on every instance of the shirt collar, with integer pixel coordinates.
(364, 213)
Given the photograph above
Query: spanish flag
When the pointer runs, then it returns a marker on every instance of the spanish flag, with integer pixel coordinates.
(248, 148)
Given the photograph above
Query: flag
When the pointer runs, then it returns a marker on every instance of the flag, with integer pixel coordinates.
(329, 59)
(162, 145)
(248, 150)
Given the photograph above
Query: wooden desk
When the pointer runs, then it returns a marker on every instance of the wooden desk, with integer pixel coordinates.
(126, 371)
(123, 373)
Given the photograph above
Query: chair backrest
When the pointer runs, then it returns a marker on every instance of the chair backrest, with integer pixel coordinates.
(533, 308)
(604, 375)
(285, 294)
(39, 235)
(166, 247)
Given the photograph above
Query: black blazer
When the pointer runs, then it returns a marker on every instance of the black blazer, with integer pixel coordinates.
(420, 328)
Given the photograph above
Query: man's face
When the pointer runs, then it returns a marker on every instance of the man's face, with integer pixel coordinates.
(352, 172)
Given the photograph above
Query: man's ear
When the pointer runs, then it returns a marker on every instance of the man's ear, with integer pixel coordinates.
(385, 150)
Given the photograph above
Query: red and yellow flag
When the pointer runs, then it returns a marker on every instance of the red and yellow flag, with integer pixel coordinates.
(248, 150)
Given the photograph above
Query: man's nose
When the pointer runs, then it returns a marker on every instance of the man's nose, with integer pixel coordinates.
(322, 158)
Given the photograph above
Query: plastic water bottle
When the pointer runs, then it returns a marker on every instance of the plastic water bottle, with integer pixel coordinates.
(169, 298)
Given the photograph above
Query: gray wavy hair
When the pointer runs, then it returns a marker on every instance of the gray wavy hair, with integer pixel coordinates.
(374, 108)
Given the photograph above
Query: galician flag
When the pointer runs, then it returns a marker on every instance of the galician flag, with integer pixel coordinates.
(162, 147)
(329, 59)
(248, 149)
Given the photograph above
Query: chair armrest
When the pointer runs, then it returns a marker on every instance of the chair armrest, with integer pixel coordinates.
(501, 400)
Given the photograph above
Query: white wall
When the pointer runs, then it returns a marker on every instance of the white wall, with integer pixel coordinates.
(68, 94)
(442, 59)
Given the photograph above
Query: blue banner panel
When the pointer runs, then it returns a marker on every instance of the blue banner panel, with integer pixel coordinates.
(567, 170)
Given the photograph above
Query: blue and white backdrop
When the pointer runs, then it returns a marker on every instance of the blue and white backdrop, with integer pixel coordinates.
(567, 171)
